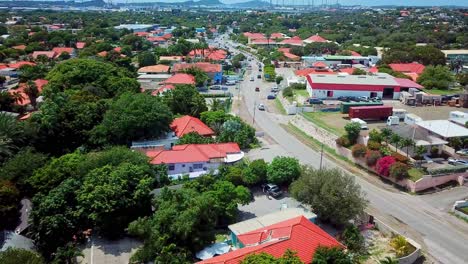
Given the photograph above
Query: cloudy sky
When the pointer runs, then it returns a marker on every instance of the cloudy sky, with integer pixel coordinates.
(358, 2)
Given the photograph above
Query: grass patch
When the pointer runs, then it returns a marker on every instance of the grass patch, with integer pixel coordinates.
(279, 106)
(443, 92)
(313, 143)
(415, 174)
(320, 119)
(221, 237)
(464, 210)
(302, 93)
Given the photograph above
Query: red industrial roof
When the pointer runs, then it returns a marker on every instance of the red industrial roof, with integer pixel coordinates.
(297, 234)
(192, 153)
(180, 78)
(305, 72)
(316, 38)
(19, 64)
(204, 66)
(407, 67)
(39, 83)
(186, 124)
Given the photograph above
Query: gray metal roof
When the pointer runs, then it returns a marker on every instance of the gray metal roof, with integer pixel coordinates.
(379, 79)
(11, 239)
(444, 128)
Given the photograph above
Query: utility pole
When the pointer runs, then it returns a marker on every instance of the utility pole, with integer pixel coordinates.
(321, 156)
(253, 118)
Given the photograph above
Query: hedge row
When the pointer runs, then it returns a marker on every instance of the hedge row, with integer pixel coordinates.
(454, 169)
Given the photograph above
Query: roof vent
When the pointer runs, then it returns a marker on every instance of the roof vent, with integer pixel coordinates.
(320, 75)
(341, 76)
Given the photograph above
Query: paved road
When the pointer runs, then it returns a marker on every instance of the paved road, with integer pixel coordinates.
(444, 236)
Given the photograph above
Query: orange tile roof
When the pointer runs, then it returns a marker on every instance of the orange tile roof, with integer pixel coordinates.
(48, 54)
(316, 38)
(320, 64)
(180, 78)
(39, 83)
(80, 45)
(211, 54)
(19, 47)
(192, 153)
(204, 66)
(295, 41)
(186, 124)
(162, 89)
(297, 234)
(159, 68)
(407, 67)
(60, 50)
(19, 64)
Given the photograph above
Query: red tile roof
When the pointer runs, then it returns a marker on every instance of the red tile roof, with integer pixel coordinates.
(19, 47)
(186, 124)
(284, 50)
(295, 41)
(277, 36)
(211, 54)
(254, 35)
(204, 66)
(297, 234)
(374, 70)
(159, 68)
(80, 45)
(192, 153)
(19, 64)
(406, 83)
(320, 64)
(407, 67)
(60, 50)
(291, 56)
(180, 78)
(39, 83)
(142, 34)
(156, 39)
(48, 54)
(315, 38)
(117, 49)
(167, 36)
(305, 72)
(162, 89)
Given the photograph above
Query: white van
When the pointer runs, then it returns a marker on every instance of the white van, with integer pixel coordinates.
(401, 113)
(393, 120)
(361, 122)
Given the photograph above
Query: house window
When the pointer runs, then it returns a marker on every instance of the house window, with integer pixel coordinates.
(197, 166)
(171, 167)
(183, 165)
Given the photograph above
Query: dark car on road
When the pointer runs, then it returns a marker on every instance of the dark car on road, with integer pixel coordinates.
(272, 190)
(271, 96)
(259, 76)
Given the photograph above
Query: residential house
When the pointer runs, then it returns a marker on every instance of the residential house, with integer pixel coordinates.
(298, 234)
(382, 85)
(80, 45)
(214, 71)
(180, 78)
(412, 70)
(195, 160)
(154, 69)
(172, 59)
(294, 41)
(210, 54)
(59, 50)
(26, 101)
(315, 38)
(48, 54)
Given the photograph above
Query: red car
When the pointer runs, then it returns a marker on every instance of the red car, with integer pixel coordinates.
(257, 89)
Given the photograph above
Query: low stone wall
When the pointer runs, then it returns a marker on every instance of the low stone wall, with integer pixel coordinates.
(460, 204)
(411, 258)
(430, 181)
(314, 131)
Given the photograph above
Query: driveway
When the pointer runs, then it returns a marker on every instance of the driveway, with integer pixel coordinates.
(444, 200)
(263, 205)
(99, 251)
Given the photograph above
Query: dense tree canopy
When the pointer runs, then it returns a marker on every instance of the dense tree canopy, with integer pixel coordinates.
(185, 100)
(438, 77)
(20, 256)
(334, 196)
(283, 170)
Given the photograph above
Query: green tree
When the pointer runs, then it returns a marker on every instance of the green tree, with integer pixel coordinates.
(146, 58)
(358, 71)
(375, 135)
(236, 130)
(352, 130)
(386, 135)
(335, 255)
(334, 196)
(29, 72)
(113, 196)
(396, 139)
(185, 100)
(255, 173)
(289, 257)
(9, 198)
(407, 143)
(20, 256)
(194, 138)
(283, 170)
(133, 117)
(399, 171)
(32, 92)
(11, 135)
(21, 167)
(200, 76)
(436, 77)
(353, 239)
(462, 78)
(388, 260)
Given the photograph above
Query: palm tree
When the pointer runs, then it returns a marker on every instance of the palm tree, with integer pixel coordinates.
(18, 97)
(10, 135)
(268, 35)
(407, 142)
(386, 134)
(395, 139)
(32, 92)
(388, 260)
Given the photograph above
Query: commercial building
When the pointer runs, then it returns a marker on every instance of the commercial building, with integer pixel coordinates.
(380, 85)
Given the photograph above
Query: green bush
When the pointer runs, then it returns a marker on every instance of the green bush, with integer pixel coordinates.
(298, 86)
(448, 170)
(372, 157)
(400, 158)
(343, 141)
(359, 151)
(373, 145)
(352, 131)
(353, 239)
(399, 171)
(283, 170)
(288, 92)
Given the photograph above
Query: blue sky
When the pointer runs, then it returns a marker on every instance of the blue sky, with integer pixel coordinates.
(361, 2)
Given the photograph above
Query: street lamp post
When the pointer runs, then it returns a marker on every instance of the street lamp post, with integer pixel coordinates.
(253, 118)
